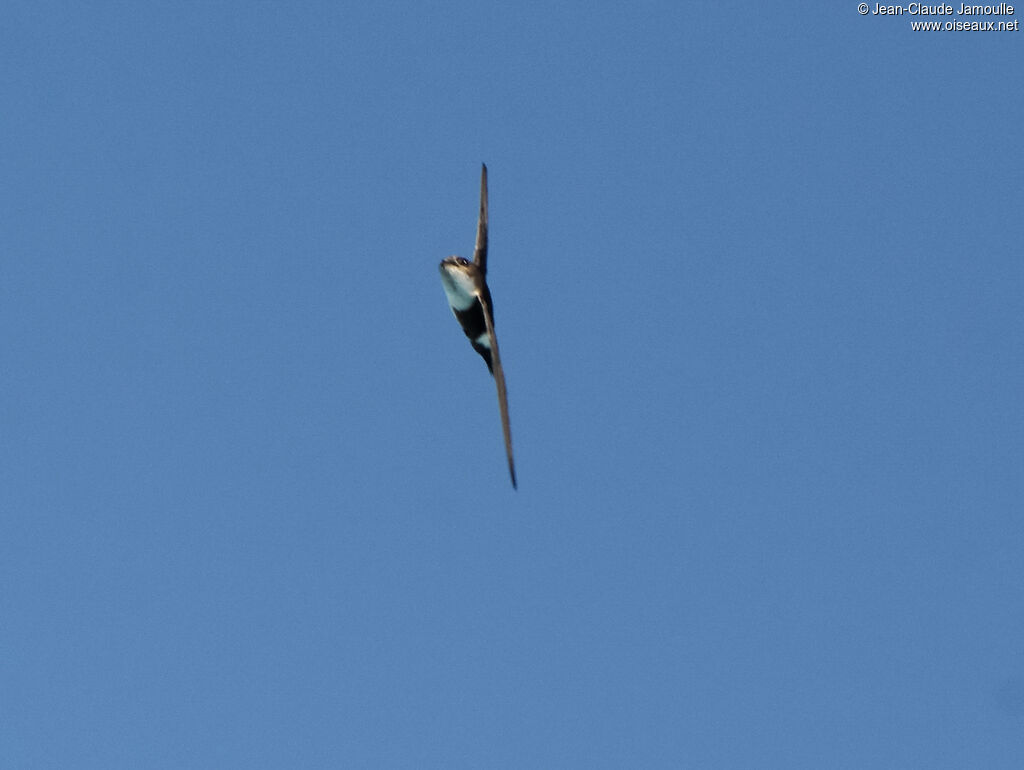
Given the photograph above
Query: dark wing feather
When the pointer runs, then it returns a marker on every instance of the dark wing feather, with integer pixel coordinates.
(480, 255)
(499, 379)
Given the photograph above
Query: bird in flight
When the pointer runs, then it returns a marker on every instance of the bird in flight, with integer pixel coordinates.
(465, 285)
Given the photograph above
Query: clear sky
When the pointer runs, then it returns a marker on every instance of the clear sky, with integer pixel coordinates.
(758, 281)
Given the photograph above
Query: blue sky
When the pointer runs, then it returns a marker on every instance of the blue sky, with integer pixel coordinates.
(758, 286)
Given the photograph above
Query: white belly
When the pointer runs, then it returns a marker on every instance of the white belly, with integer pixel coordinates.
(459, 288)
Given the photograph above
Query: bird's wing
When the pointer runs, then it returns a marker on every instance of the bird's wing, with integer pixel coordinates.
(480, 255)
(499, 379)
